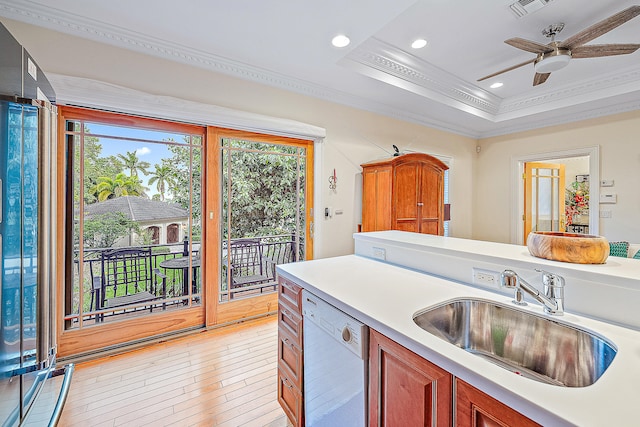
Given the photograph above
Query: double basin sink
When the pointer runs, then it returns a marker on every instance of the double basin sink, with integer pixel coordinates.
(533, 346)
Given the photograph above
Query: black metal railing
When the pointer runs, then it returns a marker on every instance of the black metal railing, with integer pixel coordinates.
(275, 250)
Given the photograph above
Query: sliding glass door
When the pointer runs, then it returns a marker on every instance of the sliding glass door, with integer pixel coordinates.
(265, 210)
(134, 228)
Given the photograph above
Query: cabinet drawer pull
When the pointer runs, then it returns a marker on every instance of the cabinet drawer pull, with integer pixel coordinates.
(420, 204)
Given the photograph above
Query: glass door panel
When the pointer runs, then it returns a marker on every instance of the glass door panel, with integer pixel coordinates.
(136, 231)
(544, 197)
(263, 214)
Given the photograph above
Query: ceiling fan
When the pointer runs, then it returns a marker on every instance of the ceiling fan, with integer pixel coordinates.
(557, 54)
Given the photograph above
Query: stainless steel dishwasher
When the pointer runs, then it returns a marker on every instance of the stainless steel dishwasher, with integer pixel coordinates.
(335, 365)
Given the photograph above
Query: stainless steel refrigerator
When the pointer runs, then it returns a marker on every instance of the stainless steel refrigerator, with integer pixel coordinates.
(27, 240)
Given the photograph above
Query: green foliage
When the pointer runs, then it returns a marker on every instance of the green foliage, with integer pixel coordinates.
(184, 179)
(131, 161)
(94, 166)
(121, 185)
(264, 188)
(163, 177)
(102, 231)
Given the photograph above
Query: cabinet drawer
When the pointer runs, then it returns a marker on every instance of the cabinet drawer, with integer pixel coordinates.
(290, 294)
(291, 322)
(290, 398)
(290, 358)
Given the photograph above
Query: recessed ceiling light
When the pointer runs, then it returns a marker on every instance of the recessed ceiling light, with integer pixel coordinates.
(340, 41)
(496, 85)
(419, 43)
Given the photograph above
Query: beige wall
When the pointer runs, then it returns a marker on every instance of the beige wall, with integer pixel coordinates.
(480, 188)
(353, 136)
(619, 142)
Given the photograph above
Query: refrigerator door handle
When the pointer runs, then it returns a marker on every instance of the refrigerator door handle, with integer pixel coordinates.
(62, 397)
(46, 234)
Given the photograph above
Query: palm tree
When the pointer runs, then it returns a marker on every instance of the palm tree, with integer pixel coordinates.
(163, 178)
(131, 161)
(121, 185)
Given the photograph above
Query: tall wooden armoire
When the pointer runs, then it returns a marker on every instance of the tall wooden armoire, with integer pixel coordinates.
(404, 193)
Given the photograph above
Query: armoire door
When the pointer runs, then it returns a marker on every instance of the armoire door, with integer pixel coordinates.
(406, 197)
(430, 205)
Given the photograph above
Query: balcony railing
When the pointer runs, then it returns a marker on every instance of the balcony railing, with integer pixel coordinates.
(168, 283)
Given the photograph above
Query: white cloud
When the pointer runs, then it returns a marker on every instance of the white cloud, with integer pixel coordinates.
(143, 151)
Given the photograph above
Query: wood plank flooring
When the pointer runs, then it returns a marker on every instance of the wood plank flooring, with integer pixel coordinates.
(223, 377)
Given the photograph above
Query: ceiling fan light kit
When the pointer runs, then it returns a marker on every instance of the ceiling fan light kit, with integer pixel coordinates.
(556, 55)
(552, 61)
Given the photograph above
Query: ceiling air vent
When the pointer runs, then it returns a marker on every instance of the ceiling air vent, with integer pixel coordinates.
(525, 7)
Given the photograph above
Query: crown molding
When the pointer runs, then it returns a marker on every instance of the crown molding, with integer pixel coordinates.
(394, 66)
(56, 20)
(619, 82)
(377, 60)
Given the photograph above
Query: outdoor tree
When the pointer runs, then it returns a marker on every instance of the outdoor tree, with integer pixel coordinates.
(266, 189)
(121, 185)
(94, 165)
(131, 161)
(185, 177)
(163, 177)
(102, 231)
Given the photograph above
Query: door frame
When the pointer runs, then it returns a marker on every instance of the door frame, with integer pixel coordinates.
(517, 187)
(93, 339)
(218, 313)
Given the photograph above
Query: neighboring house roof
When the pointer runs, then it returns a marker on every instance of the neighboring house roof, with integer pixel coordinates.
(138, 209)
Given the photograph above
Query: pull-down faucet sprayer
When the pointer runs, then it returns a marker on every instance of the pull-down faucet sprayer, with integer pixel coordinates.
(553, 297)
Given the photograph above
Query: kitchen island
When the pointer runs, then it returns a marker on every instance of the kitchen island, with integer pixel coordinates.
(385, 297)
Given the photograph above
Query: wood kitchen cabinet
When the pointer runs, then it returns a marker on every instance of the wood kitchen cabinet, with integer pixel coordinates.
(477, 409)
(290, 351)
(404, 388)
(404, 193)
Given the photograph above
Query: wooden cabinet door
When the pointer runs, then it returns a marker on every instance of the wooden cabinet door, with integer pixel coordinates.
(406, 195)
(477, 409)
(405, 389)
(290, 359)
(376, 198)
(290, 399)
(430, 201)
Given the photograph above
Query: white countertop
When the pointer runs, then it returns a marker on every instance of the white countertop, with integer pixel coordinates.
(385, 297)
(622, 269)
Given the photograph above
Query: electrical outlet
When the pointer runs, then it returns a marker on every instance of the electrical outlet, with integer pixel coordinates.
(379, 253)
(485, 277)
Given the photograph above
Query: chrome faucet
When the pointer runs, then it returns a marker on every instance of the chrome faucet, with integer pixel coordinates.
(553, 297)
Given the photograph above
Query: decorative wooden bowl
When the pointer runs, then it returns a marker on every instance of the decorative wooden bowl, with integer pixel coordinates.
(568, 247)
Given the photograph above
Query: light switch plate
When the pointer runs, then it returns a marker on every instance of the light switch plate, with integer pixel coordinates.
(608, 198)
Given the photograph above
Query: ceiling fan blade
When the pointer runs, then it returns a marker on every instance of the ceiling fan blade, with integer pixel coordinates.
(599, 50)
(507, 69)
(600, 28)
(528, 45)
(539, 78)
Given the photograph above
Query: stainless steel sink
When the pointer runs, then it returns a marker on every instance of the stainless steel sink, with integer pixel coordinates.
(533, 346)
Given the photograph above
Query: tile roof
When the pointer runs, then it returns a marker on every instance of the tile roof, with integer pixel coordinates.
(138, 209)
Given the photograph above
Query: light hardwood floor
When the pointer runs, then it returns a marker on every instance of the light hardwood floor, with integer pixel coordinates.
(223, 377)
